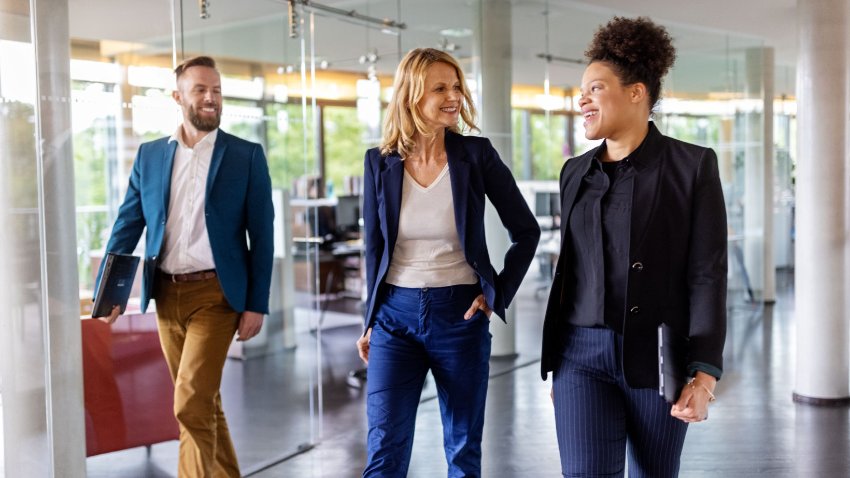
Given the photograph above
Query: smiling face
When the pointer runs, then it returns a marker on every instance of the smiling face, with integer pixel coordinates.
(610, 108)
(199, 95)
(442, 96)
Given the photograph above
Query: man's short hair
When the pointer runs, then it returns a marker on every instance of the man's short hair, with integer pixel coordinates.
(196, 61)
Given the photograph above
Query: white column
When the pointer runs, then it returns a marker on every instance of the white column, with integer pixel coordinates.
(66, 423)
(758, 178)
(493, 50)
(821, 284)
(768, 93)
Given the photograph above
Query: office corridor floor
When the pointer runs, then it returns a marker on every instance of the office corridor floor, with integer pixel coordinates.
(754, 428)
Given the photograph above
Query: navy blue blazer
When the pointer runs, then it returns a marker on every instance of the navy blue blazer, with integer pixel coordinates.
(238, 201)
(475, 170)
(677, 259)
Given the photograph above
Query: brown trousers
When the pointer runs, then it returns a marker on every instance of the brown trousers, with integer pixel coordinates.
(196, 326)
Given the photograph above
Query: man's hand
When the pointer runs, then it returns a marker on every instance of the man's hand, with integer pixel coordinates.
(250, 324)
(113, 316)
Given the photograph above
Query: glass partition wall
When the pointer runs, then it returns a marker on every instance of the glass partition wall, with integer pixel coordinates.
(315, 107)
(21, 268)
(40, 377)
(271, 387)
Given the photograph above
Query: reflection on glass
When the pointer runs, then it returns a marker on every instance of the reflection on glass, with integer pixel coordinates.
(22, 378)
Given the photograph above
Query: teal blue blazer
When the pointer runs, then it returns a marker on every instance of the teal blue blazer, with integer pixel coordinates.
(238, 208)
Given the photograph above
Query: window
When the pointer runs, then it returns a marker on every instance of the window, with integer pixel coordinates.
(286, 144)
(345, 145)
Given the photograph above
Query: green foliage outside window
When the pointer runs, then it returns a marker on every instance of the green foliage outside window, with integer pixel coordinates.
(518, 144)
(90, 182)
(547, 144)
(345, 145)
(700, 130)
(285, 148)
(18, 130)
(20, 188)
(247, 128)
(93, 143)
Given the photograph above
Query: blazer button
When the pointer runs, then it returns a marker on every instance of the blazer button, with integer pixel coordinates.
(638, 266)
(635, 310)
(475, 265)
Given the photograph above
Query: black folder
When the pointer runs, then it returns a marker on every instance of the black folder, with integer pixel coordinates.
(116, 282)
(672, 362)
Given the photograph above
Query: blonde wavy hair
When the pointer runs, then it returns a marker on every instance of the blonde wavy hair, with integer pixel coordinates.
(404, 119)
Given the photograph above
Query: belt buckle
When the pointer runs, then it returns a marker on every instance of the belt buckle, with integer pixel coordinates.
(174, 278)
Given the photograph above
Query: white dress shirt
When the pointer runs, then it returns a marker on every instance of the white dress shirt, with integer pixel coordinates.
(186, 243)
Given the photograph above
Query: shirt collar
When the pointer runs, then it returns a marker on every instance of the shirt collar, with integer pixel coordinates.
(626, 162)
(639, 157)
(208, 139)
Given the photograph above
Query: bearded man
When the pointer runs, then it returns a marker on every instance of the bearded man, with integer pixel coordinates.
(205, 198)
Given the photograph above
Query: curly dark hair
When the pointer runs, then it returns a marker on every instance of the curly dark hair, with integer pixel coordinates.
(639, 51)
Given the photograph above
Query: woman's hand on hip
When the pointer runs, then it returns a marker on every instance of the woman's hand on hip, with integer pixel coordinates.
(480, 303)
(692, 405)
(363, 346)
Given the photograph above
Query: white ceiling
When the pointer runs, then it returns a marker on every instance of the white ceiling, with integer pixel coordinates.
(711, 36)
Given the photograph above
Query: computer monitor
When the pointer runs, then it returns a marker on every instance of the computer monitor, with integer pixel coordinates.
(348, 214)
(314, 221)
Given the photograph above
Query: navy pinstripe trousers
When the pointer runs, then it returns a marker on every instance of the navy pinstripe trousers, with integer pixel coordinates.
(598, 417)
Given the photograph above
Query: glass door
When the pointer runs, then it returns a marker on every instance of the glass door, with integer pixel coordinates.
(271, 389)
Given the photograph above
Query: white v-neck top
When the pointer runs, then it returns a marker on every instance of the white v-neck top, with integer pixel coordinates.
(427, 250)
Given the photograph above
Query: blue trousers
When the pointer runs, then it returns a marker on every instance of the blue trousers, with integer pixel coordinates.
(598, 417)
(416, 330)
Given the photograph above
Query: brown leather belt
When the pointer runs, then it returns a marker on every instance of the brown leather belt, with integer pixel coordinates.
(189, 276)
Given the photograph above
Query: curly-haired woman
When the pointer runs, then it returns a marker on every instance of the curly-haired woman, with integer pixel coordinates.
(643, 243)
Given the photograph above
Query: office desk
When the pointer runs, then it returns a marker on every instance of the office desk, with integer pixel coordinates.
(339, 266)
(330, 273)
(128, 392)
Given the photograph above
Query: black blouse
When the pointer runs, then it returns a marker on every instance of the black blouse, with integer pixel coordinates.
(599, 226)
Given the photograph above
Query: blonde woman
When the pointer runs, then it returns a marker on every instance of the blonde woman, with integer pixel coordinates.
(431, 285)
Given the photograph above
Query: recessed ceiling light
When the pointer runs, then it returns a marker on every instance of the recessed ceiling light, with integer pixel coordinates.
(456, 32)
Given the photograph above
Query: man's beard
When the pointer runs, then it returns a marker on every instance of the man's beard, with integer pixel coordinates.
(204, 123)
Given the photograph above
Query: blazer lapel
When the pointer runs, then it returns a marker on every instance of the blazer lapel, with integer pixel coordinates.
(167, 164)
(391, 180)
(649, 166)
(215, 162)
(570, 190)
(459, 176)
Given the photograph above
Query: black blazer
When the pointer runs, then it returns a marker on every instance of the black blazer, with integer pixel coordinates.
(677, 258)
(475, 170)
